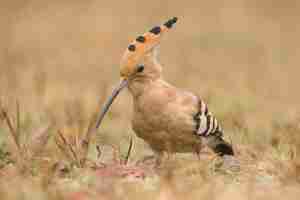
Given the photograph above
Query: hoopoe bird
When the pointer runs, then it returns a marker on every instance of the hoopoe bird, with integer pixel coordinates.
(167, 118)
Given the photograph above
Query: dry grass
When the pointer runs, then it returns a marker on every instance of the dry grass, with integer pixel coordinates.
(59, 60)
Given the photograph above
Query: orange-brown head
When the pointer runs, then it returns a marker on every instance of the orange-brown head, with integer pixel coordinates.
(139, 60)
(140, 54)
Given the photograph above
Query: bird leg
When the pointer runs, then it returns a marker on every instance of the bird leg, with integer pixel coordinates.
(225, 151)
(197, 151)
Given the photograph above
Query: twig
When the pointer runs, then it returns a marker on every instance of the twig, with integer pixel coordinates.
(1, 113)
(91, 129)
(38, 140)
(99, 152)
(11, 128)
(69, 146)
(63, 150)
(85, 141)
(129, 151)
(116, 154)
(77, 141)
(18, 122)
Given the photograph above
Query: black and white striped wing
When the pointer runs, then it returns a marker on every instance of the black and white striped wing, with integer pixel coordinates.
(206, 123)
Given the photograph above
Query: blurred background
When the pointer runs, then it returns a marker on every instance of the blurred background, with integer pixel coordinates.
(60, 58)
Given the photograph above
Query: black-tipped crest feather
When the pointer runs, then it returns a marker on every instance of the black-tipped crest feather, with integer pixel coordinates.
(171, 22)
(155, 30)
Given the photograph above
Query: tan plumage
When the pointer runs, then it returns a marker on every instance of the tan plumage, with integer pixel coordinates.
(167, 118)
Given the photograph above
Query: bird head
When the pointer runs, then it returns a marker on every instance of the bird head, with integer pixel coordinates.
(139, 60)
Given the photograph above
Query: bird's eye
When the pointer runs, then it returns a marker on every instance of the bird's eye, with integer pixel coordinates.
(140, 68)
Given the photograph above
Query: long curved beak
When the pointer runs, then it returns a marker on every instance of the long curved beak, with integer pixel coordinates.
(123, 83)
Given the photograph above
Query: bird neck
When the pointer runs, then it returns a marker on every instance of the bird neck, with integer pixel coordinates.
(139, 85)
(152, 73)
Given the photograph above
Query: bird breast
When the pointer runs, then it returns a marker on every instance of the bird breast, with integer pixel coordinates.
(165, 114)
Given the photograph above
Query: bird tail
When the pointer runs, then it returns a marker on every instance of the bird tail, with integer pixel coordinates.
(208, 127)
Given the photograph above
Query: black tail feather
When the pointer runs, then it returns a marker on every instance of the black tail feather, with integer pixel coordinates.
(223, 148)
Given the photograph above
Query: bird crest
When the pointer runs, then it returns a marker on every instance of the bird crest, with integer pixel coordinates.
(143, 45)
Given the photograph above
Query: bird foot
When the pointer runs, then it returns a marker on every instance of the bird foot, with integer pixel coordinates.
(157, 161)
(227, 164)
(150, 160)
